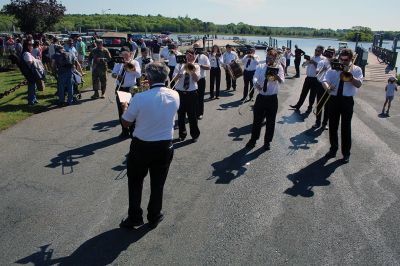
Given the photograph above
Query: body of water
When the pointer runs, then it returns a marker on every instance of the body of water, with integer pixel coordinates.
(306, 44)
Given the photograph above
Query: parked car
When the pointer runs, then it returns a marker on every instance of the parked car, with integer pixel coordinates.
(114, 41)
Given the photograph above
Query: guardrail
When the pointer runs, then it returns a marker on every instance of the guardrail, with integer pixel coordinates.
(385, 56)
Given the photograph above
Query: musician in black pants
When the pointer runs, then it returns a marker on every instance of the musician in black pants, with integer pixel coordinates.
(343, 86)
(186, 85)
(298, 53)
(250, 62)
(151, 148)
(227, 58)
(204, 63)
(266, 105)
(311, 82)
(215, 71)
(125, 80)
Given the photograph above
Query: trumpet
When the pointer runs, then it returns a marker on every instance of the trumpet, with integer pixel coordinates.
(346, 74)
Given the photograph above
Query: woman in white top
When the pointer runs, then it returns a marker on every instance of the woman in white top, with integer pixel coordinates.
(215, 58)
(390, 88)
(29, 60)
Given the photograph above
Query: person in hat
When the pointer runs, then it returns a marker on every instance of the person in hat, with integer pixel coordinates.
(390, 88)
(100, 56)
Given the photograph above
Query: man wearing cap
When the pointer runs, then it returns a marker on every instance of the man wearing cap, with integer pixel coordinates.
(250, 62)
(227, 58)
(100, 56)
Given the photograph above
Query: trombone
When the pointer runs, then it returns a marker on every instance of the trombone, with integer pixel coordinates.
(345, 76)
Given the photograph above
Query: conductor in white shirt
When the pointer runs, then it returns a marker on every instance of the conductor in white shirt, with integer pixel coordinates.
(153, 112)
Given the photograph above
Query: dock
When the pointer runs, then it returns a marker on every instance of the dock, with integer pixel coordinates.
(376, 71)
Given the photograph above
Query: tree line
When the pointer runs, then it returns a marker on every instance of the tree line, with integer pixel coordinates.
(158, 23)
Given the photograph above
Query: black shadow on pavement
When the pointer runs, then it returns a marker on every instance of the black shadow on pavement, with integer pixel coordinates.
(179, 144)
(295, 117)
(233, 166)
(226, 106)
(105, 126)
(99, 250)
(69, 158)
(237, 133)
(315, 174)
(304, 139)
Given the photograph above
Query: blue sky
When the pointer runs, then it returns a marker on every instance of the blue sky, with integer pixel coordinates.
(341, 14)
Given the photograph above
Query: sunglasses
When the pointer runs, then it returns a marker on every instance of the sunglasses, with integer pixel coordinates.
(345, 60)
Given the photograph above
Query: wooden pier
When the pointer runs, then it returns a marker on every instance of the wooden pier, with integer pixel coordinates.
(376, 71)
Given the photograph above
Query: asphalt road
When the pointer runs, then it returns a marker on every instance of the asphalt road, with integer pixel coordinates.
(63, 190)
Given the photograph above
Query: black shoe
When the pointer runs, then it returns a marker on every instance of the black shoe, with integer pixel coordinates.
(194, 140)
(267, 146)
(182, 138)
(234, 89)
(330, 154)
(346, 158)
(244, 98)
(296, 76)
(227, 89)
(325, 126)
(153, 223)
(309, 109)
(251, 144)
(217, 97)
(130, 223)
(294, 107)
(211, 97)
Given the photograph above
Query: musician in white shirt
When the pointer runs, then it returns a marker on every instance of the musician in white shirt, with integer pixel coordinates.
(287, 54)
(267, 80)
(250, 63)
(204, 63)
(322, 68)
(144, 59)
(215, 58)
(227, 58)
(343, 85)
(310, 82)
(187, 76)
(171, 59)
(125, 74)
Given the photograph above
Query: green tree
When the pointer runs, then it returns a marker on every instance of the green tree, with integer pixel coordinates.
(35, 16)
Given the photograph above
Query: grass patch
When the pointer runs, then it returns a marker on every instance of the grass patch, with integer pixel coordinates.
(14, 107)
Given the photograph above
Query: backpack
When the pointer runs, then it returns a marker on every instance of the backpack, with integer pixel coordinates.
(26, 71)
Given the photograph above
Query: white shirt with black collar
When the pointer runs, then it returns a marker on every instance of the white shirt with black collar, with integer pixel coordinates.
(332, 77)
(172, 59)
(311, 68)
(272, 86)
(323, 65)
(228, 57)
(214, 59)
(140, 60)
(202, 59)
(130, 76)
(179, 69)
(154, 113)
(254, 61)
